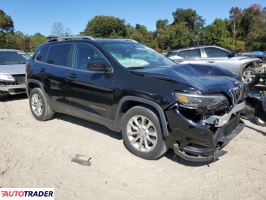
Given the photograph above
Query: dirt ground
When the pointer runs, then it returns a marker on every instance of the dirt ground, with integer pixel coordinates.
(38, 154)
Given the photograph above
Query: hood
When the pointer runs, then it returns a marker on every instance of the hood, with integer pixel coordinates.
(13, 69)
(206, 78)
(244, 58)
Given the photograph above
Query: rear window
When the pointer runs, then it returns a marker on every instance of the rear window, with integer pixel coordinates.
(60, 55)
(13, 57)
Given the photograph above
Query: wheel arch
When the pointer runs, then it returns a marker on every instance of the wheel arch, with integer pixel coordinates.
(32, 83)
(130, 101)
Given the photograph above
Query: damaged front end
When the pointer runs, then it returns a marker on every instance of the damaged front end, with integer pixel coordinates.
(201, 125)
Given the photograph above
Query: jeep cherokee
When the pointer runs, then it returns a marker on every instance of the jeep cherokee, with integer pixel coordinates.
(128, 87)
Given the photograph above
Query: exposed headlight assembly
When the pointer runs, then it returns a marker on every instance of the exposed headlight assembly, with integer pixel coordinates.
(6, 77)
(200, 101)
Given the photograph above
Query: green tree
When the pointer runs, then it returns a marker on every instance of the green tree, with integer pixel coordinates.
(141, 34)
(6, 23)
(106, 27)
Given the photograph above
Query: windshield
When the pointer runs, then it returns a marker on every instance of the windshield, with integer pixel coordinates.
(13, 57)
(135, 55)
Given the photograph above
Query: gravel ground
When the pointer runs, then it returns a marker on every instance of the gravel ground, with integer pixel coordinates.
(38, 154)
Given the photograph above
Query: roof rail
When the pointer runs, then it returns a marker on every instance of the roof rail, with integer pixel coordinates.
(53, 38)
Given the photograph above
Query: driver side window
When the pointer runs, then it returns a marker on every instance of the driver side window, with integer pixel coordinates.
(87, 55)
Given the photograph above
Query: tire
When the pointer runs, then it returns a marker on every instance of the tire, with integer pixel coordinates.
(259, 121)
(248, 76)
(134, 122)
(39, 106)
(3, 95)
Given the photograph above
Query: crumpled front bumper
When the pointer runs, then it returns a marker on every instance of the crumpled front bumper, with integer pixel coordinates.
(203, 141)
(13, 89)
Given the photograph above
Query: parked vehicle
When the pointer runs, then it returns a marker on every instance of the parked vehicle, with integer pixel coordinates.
(12, 72)
(256, 100)
(128, 87)
(243, 67)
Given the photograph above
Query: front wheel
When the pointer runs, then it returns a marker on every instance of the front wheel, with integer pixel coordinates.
(3, 95)
(249, 76)
(142, 133)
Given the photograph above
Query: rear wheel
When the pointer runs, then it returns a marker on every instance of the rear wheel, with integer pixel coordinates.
(142, 133)
(249, 76)
(39, 106)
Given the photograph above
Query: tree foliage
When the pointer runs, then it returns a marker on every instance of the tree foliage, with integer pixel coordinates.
(106, 27)
(243, 30)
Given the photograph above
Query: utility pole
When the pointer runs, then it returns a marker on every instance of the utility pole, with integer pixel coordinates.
(234, 34)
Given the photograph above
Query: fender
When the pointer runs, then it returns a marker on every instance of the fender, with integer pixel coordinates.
(37, 82)
(153, 104)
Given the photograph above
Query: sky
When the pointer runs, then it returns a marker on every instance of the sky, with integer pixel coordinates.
(32, 16)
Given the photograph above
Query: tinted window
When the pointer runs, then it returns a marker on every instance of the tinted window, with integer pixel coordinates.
(60, 55)
(182, 54)
(171, 53)
(13, 57)
(215, 52)
(87, 55)
(42, 55)
(195, 53)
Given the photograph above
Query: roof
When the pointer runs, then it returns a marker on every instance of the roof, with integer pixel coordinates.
(79, 38)
(197, 47)
(11, 50)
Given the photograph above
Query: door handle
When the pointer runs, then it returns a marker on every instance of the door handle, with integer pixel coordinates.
(210, 61)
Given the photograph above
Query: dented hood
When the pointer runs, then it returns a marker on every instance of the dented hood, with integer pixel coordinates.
(206, 78)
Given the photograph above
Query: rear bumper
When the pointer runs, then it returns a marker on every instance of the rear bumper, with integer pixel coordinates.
(201, 142)
(13, 89)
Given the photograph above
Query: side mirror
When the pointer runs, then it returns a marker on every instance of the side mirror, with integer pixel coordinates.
(99, 66)
(231, 54)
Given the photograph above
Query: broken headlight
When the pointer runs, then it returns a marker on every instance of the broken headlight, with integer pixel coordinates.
(6, 77)
(201, 101)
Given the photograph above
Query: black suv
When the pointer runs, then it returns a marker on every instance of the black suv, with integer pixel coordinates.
(129, 87)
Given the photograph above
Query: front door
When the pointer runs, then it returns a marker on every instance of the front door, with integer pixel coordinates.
(90, 93)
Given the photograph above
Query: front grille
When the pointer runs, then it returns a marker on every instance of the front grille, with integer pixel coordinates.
(238, 93)
(20, 79)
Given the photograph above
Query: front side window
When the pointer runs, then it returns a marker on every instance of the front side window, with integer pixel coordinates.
(195, 53)
(87, 55)
(42, 55)
(215, 52)
(13, 57)
(135, 55)
(60, 55)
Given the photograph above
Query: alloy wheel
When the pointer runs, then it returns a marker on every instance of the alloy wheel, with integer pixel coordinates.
(142, 133)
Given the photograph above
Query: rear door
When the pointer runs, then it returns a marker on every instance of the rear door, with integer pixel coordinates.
(53, 74)
(192, 56)
(90, 93)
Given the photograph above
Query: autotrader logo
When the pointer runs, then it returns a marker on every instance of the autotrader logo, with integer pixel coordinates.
(26, 193)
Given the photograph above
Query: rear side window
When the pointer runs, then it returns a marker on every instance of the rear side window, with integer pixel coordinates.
(182, 54)
(41, 56)
(195, 53)
(215, 52)
(60, 55)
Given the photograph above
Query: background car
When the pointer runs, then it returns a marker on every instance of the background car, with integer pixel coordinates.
(243, 67)
(12, 72)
